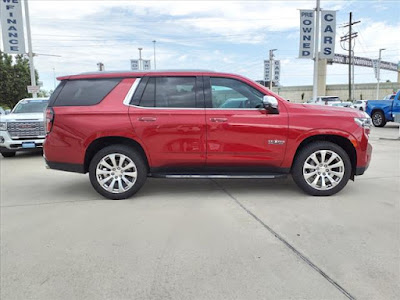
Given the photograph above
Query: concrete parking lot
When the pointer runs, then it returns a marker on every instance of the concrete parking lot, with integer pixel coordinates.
(201, 239)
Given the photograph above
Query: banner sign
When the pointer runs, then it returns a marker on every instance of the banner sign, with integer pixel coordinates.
(134, 64)
(375, 65)
(146, 65)
(277, 72)
(267, 70)
(307, 22)
(328, 33)
(12, 27)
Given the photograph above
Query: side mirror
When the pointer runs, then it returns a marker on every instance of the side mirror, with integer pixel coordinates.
(271, 104)
(7, 111)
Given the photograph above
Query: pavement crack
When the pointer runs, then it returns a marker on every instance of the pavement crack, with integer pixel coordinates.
(288, 245)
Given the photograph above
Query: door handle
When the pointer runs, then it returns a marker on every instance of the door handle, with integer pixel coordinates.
(147, 119)
(218, 120)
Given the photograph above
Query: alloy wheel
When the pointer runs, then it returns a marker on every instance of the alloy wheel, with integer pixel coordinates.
(323, 169)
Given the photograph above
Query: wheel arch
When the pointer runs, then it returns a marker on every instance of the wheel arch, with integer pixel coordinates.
(102, 142)
(339, 140)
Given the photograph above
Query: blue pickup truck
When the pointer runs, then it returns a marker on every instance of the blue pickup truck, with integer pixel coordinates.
(382, 111)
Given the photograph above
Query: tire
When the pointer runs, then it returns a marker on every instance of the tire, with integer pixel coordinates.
(335, 178)
(8, 154)
(378, 119)
(116, 187)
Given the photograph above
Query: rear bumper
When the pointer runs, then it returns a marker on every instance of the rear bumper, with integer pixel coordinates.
(76, 168)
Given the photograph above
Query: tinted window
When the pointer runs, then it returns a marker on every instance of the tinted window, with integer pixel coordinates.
(85, 91)
(231, 93)
(176, 92)
(149, 94)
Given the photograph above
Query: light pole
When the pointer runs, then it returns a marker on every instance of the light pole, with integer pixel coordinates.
(379, 72)
(140, 59)
(30, 52)
(154, 44)
(316, 51)
(271, 59)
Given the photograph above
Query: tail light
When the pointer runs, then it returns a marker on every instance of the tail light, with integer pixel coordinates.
(49, 119)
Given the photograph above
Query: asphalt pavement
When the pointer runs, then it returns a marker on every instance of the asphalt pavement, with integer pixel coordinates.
(201, 239)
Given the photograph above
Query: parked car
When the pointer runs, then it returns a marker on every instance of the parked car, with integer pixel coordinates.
(325, 100)
(383, 111)
(343, 104)
(123, 127)
(2, 112)
(360, 104)
(23, 129)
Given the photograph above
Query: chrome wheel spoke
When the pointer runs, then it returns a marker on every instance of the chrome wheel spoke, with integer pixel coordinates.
(110, 188)
(337, 165)
(323, 156)
(131, 174)
(129, 166)
(309, 175)
(120, 186)
(308, 166)
(103, 172)
(332, 158)
(113, 161)
(105, 164)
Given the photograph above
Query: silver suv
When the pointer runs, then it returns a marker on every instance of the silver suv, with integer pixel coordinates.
(23, 129)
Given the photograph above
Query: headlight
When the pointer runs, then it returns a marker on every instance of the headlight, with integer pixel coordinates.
(364, 122)
(3, 126)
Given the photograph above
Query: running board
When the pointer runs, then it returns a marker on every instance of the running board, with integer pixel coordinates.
(220, 176)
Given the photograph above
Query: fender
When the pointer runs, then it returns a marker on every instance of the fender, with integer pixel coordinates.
(294, 143)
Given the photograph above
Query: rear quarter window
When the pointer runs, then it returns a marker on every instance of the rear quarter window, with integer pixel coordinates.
(84, 92)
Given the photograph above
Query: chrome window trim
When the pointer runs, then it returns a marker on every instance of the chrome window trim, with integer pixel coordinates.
(192, 108)
(131, 91)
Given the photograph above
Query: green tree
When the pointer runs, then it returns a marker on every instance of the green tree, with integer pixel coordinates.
(14, 78)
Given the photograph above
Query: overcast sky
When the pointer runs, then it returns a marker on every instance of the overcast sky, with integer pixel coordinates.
(217, 35)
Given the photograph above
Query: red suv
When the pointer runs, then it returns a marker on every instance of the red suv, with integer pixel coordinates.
(123, 127)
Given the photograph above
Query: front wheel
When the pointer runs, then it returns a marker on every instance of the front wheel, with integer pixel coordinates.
(321, 169)
(117, 172)
(378, 119)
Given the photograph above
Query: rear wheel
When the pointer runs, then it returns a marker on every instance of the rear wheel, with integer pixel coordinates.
(8, 154)
(117, 172)
(321, 169)
(378, 119)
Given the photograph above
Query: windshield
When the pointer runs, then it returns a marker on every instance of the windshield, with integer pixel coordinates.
(330, 99)
(30, 106)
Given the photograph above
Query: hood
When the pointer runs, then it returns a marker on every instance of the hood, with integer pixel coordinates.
(326, 110)
(22, 117)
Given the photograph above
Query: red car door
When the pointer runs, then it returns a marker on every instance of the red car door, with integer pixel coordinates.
(168, 116)
(240, 132)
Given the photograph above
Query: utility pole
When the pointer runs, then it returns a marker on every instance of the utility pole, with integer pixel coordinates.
(154, 44)
(54, 78)
(101, 66)
(30, 52)
(349, 37)
(316, 50)
(271, 60)
(140, 59)
(379, 72)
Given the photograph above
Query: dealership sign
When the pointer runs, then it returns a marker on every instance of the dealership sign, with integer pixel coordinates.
(146, 65)
(328, 33)
(308, 34)
(276, 71)
(12, 26)
(307, 21)
(134, 64)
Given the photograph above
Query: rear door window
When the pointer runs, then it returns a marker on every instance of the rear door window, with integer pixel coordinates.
(85, 92)
(171, 92)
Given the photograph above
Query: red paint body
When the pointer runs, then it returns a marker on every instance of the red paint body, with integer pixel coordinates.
(202, 136)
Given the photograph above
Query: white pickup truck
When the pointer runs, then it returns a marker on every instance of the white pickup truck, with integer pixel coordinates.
(325, 100)
(23, 129)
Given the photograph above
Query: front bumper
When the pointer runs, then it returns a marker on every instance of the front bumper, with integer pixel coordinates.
(368, 154)
(7, 144)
